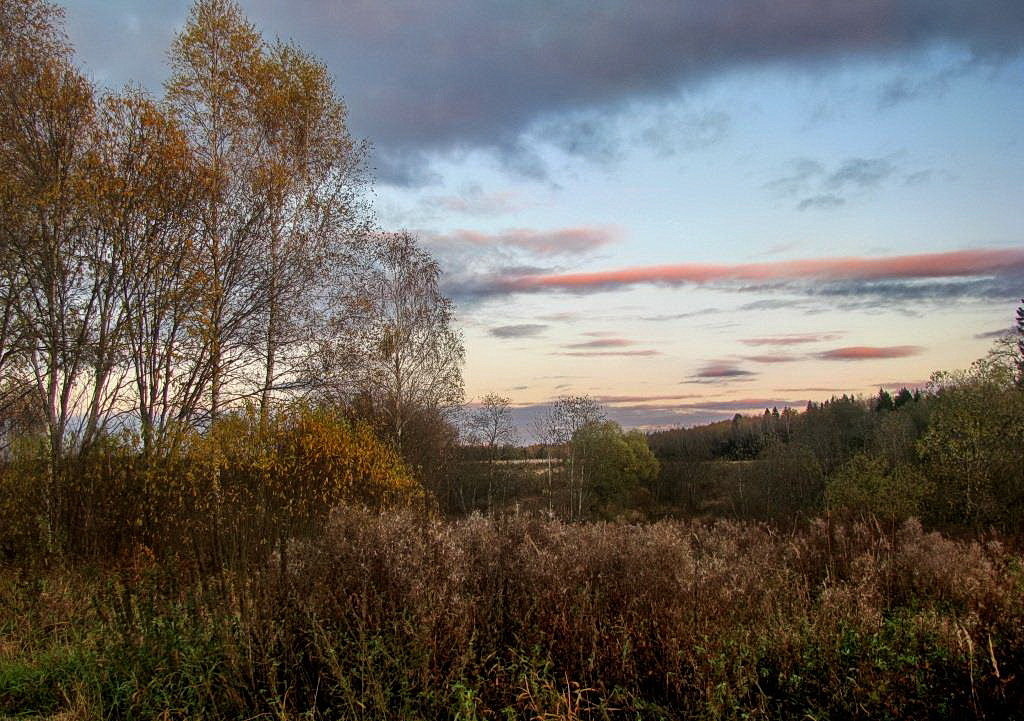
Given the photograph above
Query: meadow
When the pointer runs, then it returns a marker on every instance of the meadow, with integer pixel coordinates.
(395, 615)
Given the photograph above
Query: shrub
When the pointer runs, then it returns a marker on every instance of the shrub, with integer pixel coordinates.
(873, 486)
(229, 496)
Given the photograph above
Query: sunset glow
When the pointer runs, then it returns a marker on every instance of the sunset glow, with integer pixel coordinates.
(764, 205)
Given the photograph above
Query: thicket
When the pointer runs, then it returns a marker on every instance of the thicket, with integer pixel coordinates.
(227, 498)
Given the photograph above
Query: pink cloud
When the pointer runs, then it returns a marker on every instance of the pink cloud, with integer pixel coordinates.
(603, 343)
(866, 352)
(791, 339)
(589, 354)
(923, 265)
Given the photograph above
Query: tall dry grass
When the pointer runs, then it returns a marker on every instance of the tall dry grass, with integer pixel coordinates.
(397, 616)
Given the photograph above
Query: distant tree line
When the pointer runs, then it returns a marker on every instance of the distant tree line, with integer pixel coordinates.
(951, 453)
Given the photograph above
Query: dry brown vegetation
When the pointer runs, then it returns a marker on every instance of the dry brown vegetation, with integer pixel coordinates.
(394, 615)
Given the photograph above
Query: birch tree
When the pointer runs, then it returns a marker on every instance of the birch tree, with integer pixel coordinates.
(215, 64)
(395, 340)
(147, 219)
(490, 424)
(309, 178)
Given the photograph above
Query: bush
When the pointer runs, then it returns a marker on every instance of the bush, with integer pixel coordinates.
(229, 496)
(872, 486)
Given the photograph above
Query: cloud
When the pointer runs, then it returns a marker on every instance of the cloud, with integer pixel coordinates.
(648, 413)
(801, 171)
(586, 135)
(861, 173)
(680, 316)
(774, 304)
(747, 404)
(721, 369)
(1002, 285)
(790, 339)
(962, 263)
(472, 200)
(998, 333)
(475, 263)
(618, 400)
(603, 343)
(524, 330)
(820, 202)
(563, 241)
(669, 134)
(595, 354)
(780, 358)
(919, 177)
(562, 316)
(811, 390)
(864, 352)
(906, 89)
(826, 190)
(446, 75)
(911, 385)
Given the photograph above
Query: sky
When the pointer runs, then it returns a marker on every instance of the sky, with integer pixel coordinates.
(687, 209)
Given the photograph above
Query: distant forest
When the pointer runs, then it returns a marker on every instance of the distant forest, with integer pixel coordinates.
(950, 453)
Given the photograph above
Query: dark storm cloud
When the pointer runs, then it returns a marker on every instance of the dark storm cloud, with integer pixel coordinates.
(441, 75)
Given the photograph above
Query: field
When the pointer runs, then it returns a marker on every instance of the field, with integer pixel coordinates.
(399, 616)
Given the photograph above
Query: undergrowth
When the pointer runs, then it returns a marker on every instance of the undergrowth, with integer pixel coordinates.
(396, 616)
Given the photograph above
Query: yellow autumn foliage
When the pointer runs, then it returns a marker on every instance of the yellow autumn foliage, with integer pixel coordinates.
(227, 496)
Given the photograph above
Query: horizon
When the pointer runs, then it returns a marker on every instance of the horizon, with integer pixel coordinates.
(682, 214)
